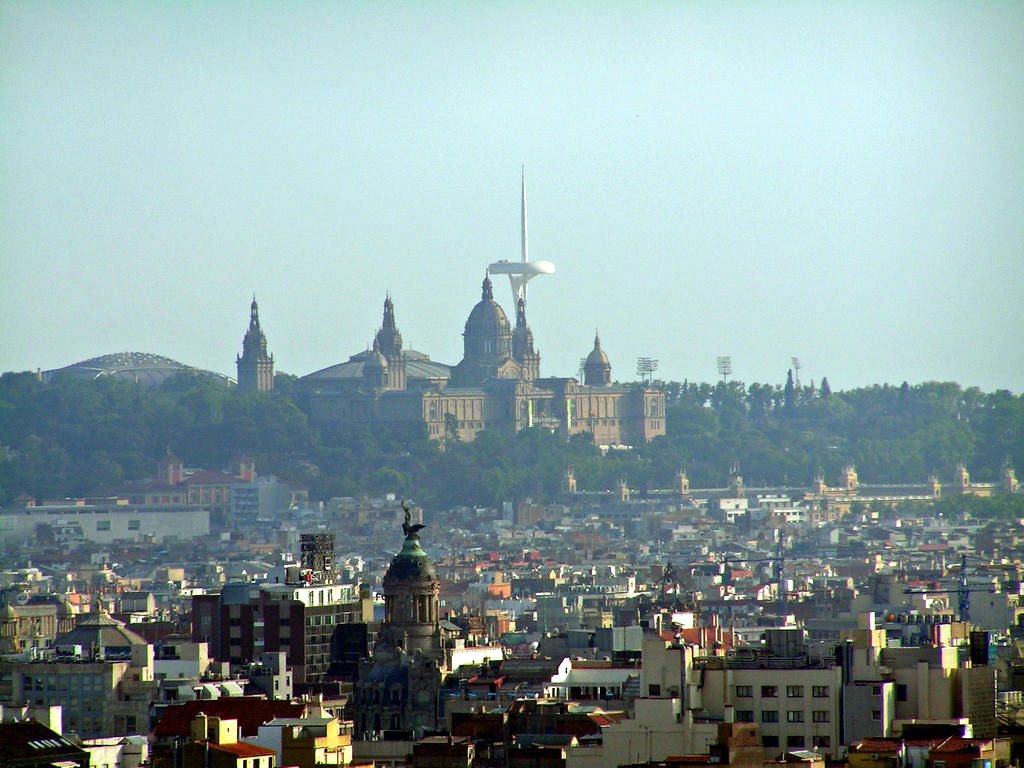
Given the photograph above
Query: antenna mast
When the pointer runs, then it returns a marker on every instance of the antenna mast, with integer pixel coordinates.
(526, 251)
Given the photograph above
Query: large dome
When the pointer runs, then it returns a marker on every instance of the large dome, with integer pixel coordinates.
(143, 368)
(411, 565)
(100, 630)
(597, 356)
(487, 317)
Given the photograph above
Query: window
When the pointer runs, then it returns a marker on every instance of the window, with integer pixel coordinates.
(901, 691)
(654, 690)
(876, 690)
(820, 716)
(795, 691)
(102, 525)
(769, 691)
(795, 742)
(744, 691)
(876, 714)
(821, 741)
(770, 741)
(795, 716)
(744, 715)
(133, 525)
(769, 716)
(819, 691)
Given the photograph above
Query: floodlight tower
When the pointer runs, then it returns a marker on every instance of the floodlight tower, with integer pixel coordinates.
(521, 272)
(796, 371)
(724, 367)
(645, 368)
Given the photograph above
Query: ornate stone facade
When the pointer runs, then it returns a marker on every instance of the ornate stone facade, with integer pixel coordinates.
(398, 688)
(497, 385)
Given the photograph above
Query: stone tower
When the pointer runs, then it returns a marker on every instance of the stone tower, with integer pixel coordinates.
(597, 371)
(1009, 478)
(255, 366)
(682, 483)
(522, 345)
(389, 343)
(411, 601)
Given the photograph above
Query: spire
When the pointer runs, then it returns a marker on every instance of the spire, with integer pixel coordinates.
(525, 239)
(389, 312)
(521, 313)
(487, 293)
(255, 365)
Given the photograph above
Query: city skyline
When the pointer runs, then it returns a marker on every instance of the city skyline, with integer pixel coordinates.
(839, 184)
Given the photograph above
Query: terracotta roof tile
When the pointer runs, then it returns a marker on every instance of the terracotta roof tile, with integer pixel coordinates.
(250, 712)
(242, 749)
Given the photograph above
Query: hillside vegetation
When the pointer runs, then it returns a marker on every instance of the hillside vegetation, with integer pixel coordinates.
(76, 437)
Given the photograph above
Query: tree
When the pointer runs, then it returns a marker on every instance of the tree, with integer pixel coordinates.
(789, 393)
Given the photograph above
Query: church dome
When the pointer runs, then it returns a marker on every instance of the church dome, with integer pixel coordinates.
(597, 370)
(487, 318)
(597, 356)
(411, 565)
(100, 630)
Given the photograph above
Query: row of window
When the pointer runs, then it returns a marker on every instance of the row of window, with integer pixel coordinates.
(772, 691)
(104, 525)
(792, 716)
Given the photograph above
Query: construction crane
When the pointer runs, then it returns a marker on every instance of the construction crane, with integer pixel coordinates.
(778, 572)
(963, 591)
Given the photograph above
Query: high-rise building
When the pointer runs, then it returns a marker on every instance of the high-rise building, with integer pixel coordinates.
(298, 617)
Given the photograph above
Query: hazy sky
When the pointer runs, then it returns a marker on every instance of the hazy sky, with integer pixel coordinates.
(842, 182)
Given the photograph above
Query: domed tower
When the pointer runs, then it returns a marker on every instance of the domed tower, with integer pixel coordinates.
(389, 341)
(375, 369)
(522, 344)
(411, 599)
(487, 344)
(597, 371)
(255, 366)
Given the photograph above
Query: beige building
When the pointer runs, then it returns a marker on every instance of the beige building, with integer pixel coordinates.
(307, 742)
(496, 386)
(34, 622)
(214, 744)
(101, 673)
(796, 701)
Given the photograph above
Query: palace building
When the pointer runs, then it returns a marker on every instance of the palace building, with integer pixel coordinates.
(497, 385)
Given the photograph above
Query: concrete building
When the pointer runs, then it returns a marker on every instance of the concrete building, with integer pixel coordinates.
(298, 618)
(105, 521)
(100, 673)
